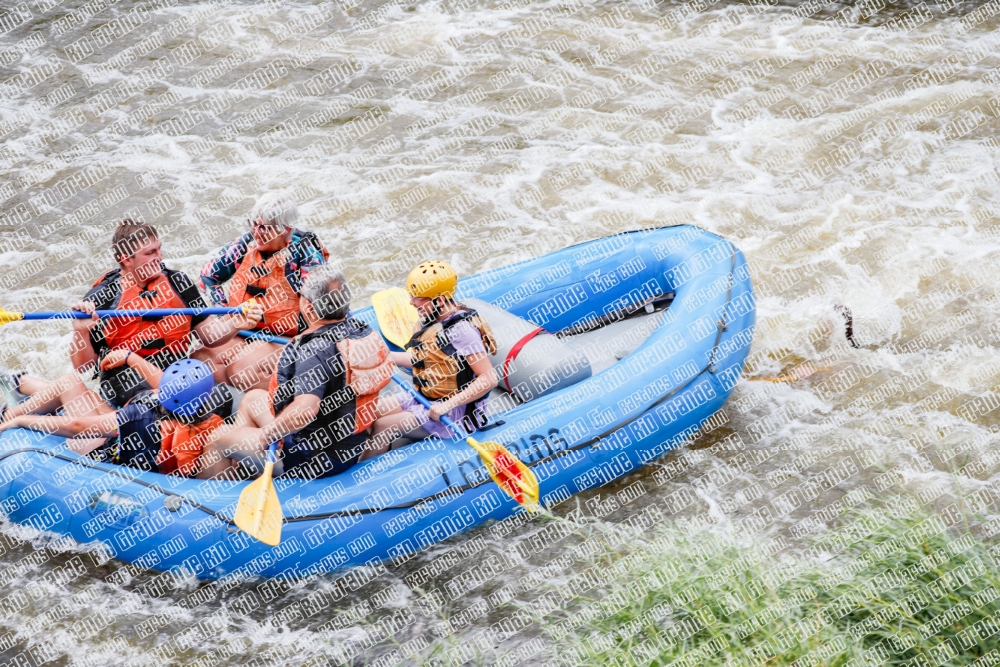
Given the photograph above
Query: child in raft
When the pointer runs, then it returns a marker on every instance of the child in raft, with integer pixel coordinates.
(159, 430)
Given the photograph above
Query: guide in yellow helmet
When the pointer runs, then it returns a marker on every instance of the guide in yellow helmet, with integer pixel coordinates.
(450, 359)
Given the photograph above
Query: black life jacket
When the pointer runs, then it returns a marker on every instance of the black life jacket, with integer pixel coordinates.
(332, 432)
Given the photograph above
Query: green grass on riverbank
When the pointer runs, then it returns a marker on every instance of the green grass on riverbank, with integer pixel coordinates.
(891, 585)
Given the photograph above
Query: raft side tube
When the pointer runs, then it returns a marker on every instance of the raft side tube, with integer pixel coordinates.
(530, 363)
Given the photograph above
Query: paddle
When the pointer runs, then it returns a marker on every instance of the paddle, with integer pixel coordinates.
(7, 316)
(258, 512)
(267, 338)
(506, 470)
(396, 317)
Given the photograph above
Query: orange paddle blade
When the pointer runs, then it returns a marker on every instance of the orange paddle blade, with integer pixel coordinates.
(509, 473)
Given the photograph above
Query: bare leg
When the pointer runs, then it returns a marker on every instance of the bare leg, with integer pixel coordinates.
(43, 397)
(254, 413)
(68, 392)
(78, 401)
(216, 458)
(395, 423)
(84, 446)
(255, 409)
(30, 385)
(252, 366)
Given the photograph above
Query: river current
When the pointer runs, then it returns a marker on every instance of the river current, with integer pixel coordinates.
(848, 150)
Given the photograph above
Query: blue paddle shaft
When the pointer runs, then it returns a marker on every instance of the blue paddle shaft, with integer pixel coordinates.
(272, 452)
(267, 338)
(422, 400)
(155, 312)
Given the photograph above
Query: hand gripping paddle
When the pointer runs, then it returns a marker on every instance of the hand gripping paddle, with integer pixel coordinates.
(507, 470)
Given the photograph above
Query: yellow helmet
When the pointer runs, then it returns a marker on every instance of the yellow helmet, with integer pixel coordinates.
(432, 279)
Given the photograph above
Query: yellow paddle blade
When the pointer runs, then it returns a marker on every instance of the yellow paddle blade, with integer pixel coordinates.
(10, 316)
(397, 319)
(508, 472)
(258, 513)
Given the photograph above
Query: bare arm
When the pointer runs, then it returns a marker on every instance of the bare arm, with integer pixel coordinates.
(95, 426)
(150, 373)
(293, 418)
(81, 350)
(218, 330)
(486, 380)
(401, 359)
(302, 410)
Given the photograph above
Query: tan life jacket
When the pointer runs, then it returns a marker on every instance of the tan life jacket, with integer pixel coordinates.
(439, 371)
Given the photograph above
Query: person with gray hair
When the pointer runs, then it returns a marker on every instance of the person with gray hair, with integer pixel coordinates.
(328, 293)
(268, 263)
(338, 363)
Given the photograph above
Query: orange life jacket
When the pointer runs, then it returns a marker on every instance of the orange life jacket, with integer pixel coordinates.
(265, 281)
(146, 337)
(369, 370)
(182, 444)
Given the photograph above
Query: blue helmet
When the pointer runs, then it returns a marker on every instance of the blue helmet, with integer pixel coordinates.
(186, 387)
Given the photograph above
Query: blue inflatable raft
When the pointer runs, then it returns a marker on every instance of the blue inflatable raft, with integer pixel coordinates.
(666, 316)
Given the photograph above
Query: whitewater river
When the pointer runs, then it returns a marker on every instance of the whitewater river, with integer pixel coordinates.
(849, 152)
